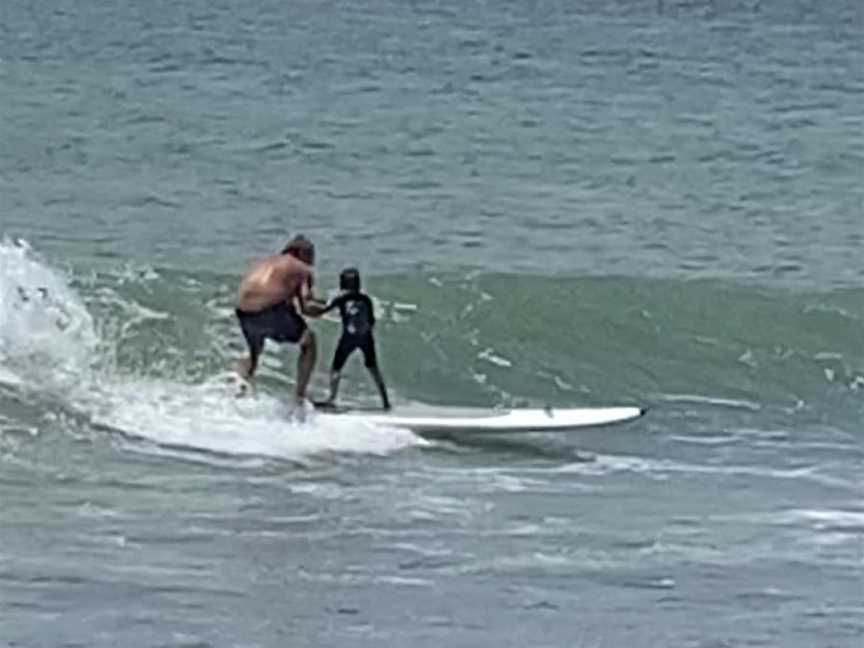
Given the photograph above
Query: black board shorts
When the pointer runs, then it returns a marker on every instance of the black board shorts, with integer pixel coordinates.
(348, 344)
(280, 323)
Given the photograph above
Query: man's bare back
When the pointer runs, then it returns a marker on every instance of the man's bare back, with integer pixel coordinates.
(271, 280)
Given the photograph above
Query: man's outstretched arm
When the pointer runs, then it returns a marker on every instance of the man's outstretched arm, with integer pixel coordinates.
(310, 306)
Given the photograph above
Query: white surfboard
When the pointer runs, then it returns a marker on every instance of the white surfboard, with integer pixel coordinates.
(453, 419)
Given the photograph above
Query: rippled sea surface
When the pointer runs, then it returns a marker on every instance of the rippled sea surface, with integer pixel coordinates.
(553, 203)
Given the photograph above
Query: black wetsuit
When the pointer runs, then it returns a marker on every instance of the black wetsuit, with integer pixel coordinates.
(358, 320)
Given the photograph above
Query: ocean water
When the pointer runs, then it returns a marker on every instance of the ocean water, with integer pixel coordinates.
(553, 203)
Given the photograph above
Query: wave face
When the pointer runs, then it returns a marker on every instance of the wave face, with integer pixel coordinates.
(743, 480)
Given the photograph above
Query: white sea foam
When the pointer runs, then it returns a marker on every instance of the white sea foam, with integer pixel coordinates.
(49, 343)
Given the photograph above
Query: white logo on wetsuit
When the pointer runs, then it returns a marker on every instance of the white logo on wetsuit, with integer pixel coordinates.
(353, 311)
(356, 320)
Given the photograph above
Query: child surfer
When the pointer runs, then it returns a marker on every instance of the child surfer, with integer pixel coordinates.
(358, 321)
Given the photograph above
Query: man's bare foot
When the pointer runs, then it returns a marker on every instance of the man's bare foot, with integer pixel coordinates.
(301, 410)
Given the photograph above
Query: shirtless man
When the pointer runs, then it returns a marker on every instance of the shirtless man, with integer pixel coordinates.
(271, 293)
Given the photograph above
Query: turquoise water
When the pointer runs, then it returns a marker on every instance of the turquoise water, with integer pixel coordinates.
(587, 203)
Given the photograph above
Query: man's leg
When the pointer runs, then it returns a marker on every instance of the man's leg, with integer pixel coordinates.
(246, 366)
(306, 363)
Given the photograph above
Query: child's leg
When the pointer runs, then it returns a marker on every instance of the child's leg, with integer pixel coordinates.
(382, 388)
(335, 377)
(343, 350)
(371, 359)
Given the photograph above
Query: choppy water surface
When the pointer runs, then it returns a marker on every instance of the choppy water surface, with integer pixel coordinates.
(557, 203)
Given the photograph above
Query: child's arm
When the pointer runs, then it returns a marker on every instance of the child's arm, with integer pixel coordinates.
(334, 303)
(371, 310)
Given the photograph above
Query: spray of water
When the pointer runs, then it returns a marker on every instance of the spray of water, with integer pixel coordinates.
(44, 328)
(50, 343)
